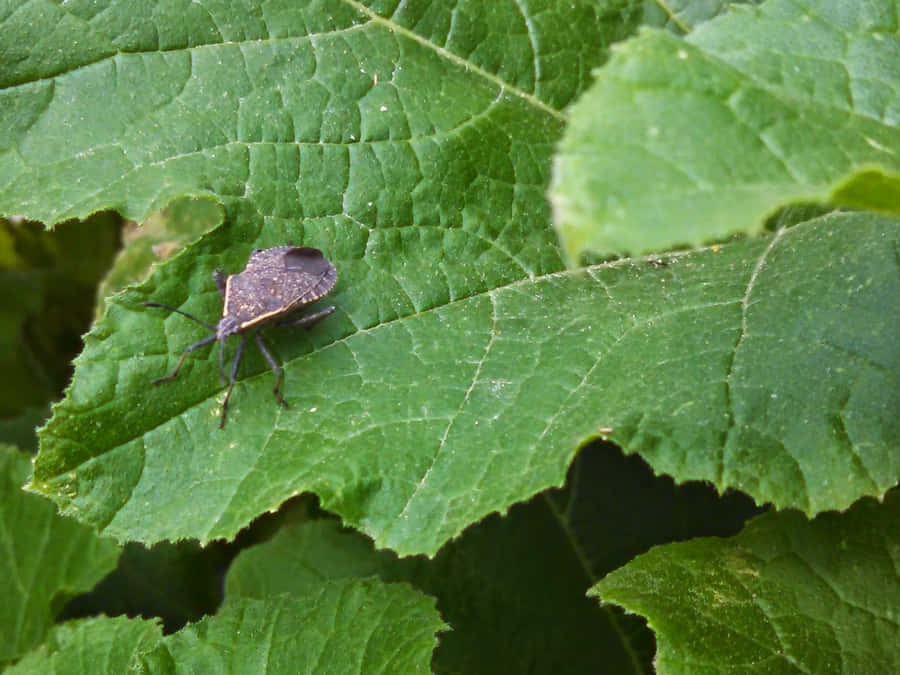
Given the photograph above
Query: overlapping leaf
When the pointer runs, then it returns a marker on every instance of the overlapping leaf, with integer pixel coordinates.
(786, 595)
(484, 585)
(686, 141)
(345, 626)
(561, 541)
(156, 239)
(45, 559)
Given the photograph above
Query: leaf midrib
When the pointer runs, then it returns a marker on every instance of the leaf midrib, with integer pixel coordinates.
(393, 27)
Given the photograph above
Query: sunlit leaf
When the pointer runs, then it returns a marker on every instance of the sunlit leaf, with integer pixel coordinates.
(768, 365)
(686, 141)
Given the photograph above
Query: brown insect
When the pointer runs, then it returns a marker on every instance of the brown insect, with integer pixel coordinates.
(276, 283)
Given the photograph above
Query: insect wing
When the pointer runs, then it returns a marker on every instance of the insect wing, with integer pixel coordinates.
(277, 281)
(308, 274)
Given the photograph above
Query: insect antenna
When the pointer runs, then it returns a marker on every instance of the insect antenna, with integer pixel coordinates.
(178, 311)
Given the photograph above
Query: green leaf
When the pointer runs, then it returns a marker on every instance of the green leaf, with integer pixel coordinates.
(786, 595)
(45, 559)
(768, 366)
(345, 626)
(342, 627)
(299, 111)
(300, 557)
(686, 141)
(101, 646)
(415, 390)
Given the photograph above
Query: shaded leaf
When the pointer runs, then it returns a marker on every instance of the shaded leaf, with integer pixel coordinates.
(342, 627)
(614, 508)
(48, 281)
(560, 542)
(177, 583)
(101, 646)
(686, 141)
(681, 16)
(45, 559)
(786, 595)
(485, 585)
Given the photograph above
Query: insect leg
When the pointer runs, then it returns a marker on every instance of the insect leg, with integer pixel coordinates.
(273, 364)
(187, 350)
(234, 368)
(310, 319)
(222, 363)
(219, 277)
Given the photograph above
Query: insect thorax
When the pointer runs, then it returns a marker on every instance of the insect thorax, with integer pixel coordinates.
(227, 325)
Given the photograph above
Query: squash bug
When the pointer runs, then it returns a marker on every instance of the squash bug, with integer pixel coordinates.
(275, 283)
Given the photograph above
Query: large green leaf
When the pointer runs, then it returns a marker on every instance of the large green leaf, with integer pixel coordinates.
(685, 141)
(784, 596)
(44, 559)
(769, 365)
(359, 626)
(415, 151)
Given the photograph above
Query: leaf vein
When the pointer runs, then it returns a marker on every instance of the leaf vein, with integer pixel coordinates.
(462, 404)
(445, 53)
(742, 333)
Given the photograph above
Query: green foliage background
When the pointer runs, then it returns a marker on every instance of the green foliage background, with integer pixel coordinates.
(500, 435)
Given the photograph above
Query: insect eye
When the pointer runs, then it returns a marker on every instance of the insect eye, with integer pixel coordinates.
(257, 250)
